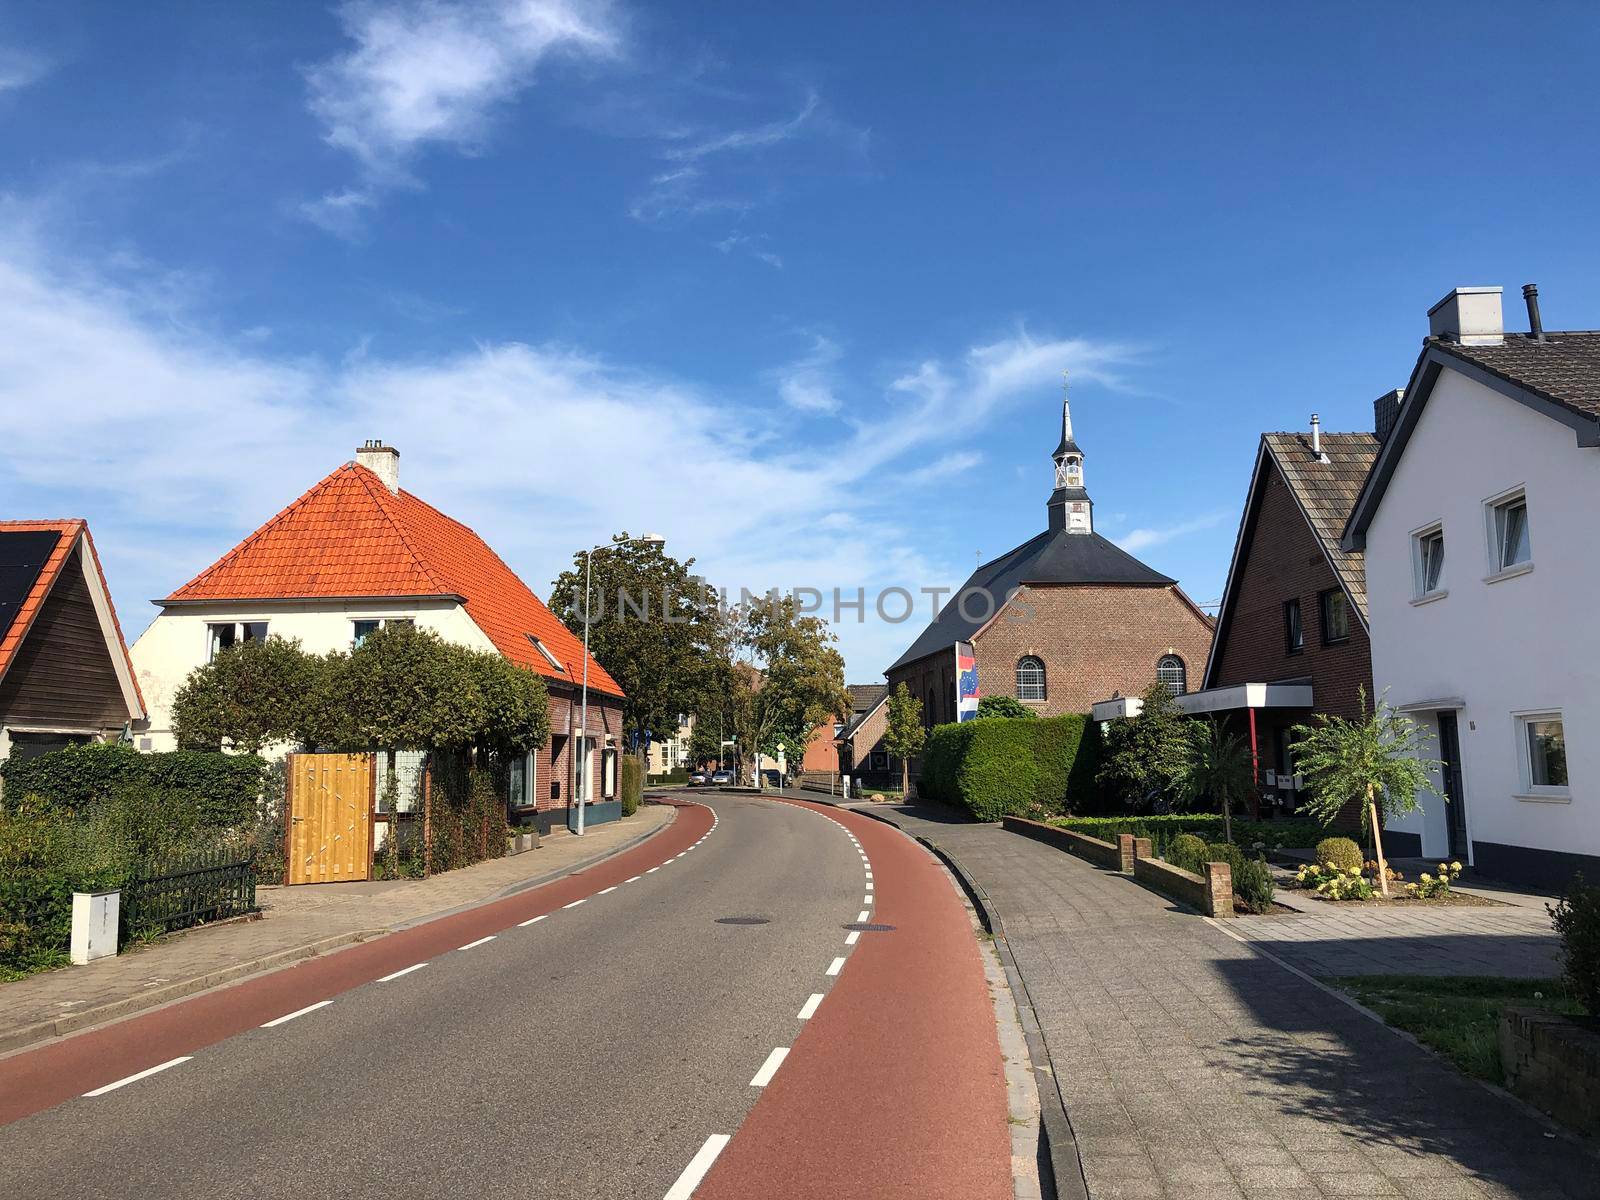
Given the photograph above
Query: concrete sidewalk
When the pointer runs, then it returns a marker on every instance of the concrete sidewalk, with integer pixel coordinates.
(1194, 1068)
(296, 923)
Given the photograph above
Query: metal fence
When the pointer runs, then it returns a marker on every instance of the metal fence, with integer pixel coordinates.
(177, 894)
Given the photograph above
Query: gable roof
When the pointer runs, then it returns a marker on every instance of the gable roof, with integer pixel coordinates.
(1324, 492)
(33, 555)
(349, 536)
(1052, 557)
(864, 701)
(1558, 377)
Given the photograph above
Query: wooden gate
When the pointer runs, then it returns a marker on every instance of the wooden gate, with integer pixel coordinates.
(329, 832)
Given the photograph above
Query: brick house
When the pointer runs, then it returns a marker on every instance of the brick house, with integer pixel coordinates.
(356, 552)
(1060, 621)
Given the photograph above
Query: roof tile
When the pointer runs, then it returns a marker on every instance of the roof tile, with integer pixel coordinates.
(1326, 492)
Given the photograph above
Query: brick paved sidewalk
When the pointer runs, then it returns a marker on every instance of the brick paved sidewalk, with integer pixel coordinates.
(1194, 1068)
(296, 923)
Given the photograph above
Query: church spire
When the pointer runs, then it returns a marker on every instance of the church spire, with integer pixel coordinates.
(1070, 506)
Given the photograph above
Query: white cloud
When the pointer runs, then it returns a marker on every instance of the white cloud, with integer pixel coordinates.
(431, 72)
(945, 467)
(753, 245)
(806, 385)
(20, 68)
(1142, 539)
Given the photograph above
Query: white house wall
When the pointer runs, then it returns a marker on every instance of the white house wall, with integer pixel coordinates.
(1525, 643)
(178, 641)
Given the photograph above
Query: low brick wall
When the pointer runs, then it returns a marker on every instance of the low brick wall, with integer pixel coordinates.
(1212, 894)
(1554, 1064)
(1102, 854)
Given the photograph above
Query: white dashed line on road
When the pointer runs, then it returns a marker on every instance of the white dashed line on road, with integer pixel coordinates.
(697, 1168)
(299, 1012)
(144, 1074)
(855, 936)
(810, 1008)
(862, 916)
(606, 891)
(479, 942)
(575, 903)
(652, 870)
(532, 921)
(635, 879)
(770, 1067)
(835, 966)
(402, 971)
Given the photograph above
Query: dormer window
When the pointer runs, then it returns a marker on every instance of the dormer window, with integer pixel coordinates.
(545, 651)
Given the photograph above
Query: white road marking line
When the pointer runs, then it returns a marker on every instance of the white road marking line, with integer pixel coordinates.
(680, 853)
(835, 966)
(697, 1168)
(606, 891)
(575, 903)
(809, 1009)
(855, 936)
(863, 915)
(401, 971)
(635, 879)
(652, 870)
(479, 942)
(299, 1012)
(867, 899)
(144, 1074)
(532, 921)
(770, 1067)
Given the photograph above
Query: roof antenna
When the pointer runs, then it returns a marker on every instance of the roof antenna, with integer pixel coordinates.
(1530, 293)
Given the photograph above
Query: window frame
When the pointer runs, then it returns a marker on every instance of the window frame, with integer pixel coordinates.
(1325, 600)
(238, 632)
(1183, 673)
(1523, 724)
(1420, 591)
(1044, 679)
(1294, 631)
(530, 783)
(1494, 533)
(547, 654)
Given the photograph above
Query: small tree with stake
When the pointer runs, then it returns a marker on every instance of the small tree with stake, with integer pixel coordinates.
(904, 735)
(1377, 759)
(1217, 768)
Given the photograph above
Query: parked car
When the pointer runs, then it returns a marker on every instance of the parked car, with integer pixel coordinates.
(698, 779)
(722, 778)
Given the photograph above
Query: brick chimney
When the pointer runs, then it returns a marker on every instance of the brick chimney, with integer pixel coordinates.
(383, 461)
(1385, 412)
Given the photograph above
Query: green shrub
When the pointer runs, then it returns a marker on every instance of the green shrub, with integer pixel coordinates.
(1005, 706)
(1186, 851)
(1252, 883)
(632, 784)
(1226, 852)
(1340, 852)
(994, 766)
(1268, 835)
(1576, 917)
(999, 773)
(45, 856)
(941, 761)
(220, 790)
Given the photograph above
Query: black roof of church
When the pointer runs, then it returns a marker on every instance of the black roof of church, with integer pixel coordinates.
(1051, 557)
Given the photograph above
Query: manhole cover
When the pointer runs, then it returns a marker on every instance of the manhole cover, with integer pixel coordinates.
(869, 927)
(741, 920)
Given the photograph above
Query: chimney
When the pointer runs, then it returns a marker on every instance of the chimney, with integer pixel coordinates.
(383, 461)
(1469, 315)
(1530, 294)
(1316, 439)
(1385, 412)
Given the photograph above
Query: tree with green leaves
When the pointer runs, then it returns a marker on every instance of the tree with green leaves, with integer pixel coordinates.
(1377, 760)
(251, 695)
(1145, 754)
(904, 732)
(652, 626)
(1216, 769)
(1005, 706)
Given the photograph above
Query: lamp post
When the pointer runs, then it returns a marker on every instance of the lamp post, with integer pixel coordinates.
(649, 539)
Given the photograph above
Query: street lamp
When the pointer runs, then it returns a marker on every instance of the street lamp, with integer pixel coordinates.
(648, 539)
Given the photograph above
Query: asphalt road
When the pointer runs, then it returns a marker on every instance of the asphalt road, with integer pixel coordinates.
(588, 1054)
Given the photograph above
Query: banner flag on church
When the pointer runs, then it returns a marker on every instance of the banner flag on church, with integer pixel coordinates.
(966, 682)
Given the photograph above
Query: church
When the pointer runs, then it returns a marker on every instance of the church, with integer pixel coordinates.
(1063, 620)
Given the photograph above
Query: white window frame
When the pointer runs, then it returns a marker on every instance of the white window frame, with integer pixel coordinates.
(546, 653)
(238, 634)
(1496, 552)
(1183, 673)
(1420, 592)
(608, 772)
(1044, 679)
(530, 782)
(381, 622)
(1521, 722)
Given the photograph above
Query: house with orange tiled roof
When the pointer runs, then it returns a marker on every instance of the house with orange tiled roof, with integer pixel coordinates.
(356, 552)
(65, 676)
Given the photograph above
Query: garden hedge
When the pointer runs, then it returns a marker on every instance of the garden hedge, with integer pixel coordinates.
(222, 789)
(632, 784)
(1161, 830)
(995, 766)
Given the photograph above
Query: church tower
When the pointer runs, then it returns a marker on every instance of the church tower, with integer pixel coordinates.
(1070, 506)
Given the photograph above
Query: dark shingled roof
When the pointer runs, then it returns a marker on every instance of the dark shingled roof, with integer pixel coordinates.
(864, 697)
(1051, 557)
(1564, 368)
(1326, 492)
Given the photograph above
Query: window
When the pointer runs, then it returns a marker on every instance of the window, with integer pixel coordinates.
(1335, 609)
(608, 772)
(523, 781)
(1030, 678)
(1170, 671)
(1542, 752)
(361, 630)
(1509, 545)
(229, 634)
(1293, 632)
(1427, 562)
(545, 651)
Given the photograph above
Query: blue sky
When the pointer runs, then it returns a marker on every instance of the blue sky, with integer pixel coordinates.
(792, 285)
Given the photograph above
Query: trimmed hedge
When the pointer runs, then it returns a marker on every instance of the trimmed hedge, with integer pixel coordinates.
(221, 788)
(632, 784)
(1161, 830)
(997, 766)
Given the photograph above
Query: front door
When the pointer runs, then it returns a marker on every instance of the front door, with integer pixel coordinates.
(1454, 794)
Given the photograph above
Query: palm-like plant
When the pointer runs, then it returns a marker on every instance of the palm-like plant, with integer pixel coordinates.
(1379, 757)
(1216, 767)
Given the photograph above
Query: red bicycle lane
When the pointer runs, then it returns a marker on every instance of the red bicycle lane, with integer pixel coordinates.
(34, 1080)
(895, 1087)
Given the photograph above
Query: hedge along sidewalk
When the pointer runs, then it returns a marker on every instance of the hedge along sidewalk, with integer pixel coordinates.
(297, 923)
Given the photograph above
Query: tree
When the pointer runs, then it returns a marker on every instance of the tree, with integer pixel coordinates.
(516, 704)
(1004, 706)
(1216, 768)
(652, 626)
(251, 695)
(1144, 755)
(904, 733)
(1377, 758)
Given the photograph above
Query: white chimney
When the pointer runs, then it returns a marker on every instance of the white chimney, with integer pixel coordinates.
(383, 461)
(1469, 315)
(1316, 438)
